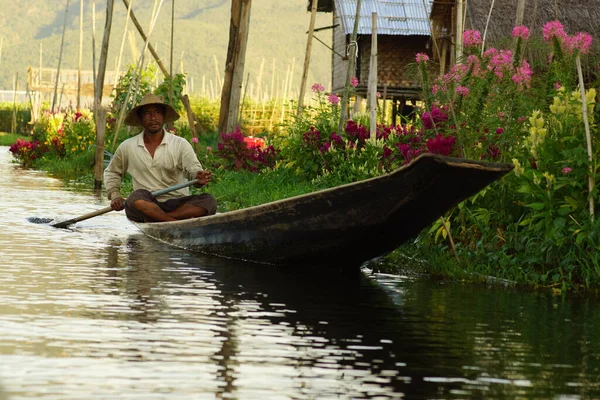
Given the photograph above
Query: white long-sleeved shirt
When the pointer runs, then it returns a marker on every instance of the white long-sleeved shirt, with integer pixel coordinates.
(174, 162)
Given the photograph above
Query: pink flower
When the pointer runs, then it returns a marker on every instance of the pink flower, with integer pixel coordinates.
(194, 140)
(490, 53)
(333, 99)
(317, 88)
(521, 31)
(522, 77)
(472, 38)
(579, 42)
(553, 29)
(422, 58)
(557, 85)
(463, 91)
(567, 170)
(499, 131)
(208, 148)
(354, 81)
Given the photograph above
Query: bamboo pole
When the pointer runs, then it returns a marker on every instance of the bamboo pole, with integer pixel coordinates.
(94, 43)
(148, 46)
(385, 86)
(190, 117)
(588, 138)
(311, 30)
(103, 55)
(62, 42)
(259, 77)
(373, 76)
(487, 22)
(171, 54)
(272, 80)
(217, 75)
(118, 62)
(351, 70)
(1, 46)
(80, 54)
(100, 113)
(13, 125)
(459, 29)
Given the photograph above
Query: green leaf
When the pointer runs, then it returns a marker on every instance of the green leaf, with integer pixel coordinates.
(525, 188)
(537, 206)
(564, 211)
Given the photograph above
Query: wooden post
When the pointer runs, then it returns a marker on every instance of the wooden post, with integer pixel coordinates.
(373, 76)
(103, 55)
(62, 42)
(351, 70)
(143, 35)
(459, 29)
(311, 29)
(234, 66)
(100, 113)
(80, 54)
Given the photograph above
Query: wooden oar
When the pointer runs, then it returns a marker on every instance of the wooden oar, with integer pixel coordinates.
(157, 193)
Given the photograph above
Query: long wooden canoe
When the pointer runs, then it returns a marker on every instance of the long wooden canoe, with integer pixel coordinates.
(345, 225)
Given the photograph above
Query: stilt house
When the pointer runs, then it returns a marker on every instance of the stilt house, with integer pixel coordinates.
(402, 31)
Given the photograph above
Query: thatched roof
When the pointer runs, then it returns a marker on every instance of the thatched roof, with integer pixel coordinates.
(575, 15)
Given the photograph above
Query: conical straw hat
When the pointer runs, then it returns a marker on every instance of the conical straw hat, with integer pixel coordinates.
(133, 118)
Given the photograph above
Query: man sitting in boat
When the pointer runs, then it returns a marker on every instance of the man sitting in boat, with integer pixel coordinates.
(157, 159)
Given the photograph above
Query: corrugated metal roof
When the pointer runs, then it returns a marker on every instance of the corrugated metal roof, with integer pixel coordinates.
(394, 17)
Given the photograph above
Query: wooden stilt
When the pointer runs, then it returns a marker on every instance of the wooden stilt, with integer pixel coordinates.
(234, 66)
(351, 70)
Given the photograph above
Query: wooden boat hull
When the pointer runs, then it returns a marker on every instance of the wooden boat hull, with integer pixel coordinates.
(345, 225)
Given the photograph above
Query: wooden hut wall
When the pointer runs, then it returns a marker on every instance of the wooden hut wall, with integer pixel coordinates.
(339, 66)
(394, 54)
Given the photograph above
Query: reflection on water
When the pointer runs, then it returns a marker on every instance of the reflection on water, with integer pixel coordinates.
(101, 311)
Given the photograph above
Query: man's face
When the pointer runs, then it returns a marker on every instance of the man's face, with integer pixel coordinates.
(153, 118)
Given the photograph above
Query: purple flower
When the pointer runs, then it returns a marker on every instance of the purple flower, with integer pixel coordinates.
(553, 29)
(520, 31)
(463, 91)
(422, 58)
(317, 88)
(333, 99)
(472, 38)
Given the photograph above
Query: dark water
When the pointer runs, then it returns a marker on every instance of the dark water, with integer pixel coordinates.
(102, 312)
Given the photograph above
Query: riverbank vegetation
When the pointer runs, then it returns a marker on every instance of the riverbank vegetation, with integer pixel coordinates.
(537, 226)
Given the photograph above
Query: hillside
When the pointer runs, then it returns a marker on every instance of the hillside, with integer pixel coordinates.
(277, 37)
